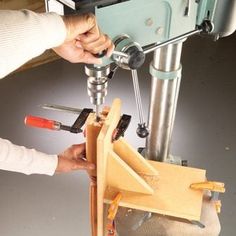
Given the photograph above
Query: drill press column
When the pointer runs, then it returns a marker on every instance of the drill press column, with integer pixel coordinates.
(165, 71)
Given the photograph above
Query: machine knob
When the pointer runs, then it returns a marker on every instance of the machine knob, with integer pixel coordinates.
(142, 131)
(207, 26)
(135, 55)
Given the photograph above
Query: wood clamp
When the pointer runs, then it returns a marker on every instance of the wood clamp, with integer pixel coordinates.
(56, 125)
(215, 187)
(112, 211)
(121, 127)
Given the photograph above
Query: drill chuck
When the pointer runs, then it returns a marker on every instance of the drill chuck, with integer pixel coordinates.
(97, 84)
(97, 90)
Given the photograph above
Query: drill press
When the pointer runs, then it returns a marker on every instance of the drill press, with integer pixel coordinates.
(159, 26)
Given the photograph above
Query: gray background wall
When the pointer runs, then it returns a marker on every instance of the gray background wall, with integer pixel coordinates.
(204, 133)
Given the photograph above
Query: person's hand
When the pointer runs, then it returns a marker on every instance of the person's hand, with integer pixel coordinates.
(73, 158)
(84, 39)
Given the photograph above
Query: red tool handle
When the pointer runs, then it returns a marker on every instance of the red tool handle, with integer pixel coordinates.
(40, 122)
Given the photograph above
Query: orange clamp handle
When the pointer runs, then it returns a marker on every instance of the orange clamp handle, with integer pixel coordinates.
(112, 211)
(209, 185)
(41, 122)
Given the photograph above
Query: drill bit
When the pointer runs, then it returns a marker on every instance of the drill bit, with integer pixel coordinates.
(97, 113)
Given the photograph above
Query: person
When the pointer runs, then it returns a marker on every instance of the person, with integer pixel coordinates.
(24, 35)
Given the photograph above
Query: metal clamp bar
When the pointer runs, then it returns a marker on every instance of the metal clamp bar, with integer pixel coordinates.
(61, 108)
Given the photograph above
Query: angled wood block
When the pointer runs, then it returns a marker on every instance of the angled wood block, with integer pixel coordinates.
(135, 160)
(122, 177)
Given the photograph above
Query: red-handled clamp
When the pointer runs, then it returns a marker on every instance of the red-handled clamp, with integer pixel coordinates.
(44, 123)
(56, 125)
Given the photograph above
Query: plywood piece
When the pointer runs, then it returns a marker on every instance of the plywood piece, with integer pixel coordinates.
(130, 156)
(92, 131)
(122, 177)
(172, 194)
(104, 145)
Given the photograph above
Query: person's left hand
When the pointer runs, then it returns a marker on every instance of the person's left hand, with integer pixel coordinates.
(72, 159)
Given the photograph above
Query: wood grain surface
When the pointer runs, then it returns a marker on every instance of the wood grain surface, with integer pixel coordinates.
(172, 194)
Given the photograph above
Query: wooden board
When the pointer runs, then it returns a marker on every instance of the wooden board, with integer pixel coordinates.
(37, 6)
(172, 194)
(92, 131)
(104, 145)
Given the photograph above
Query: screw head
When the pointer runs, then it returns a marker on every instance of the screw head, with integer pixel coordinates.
(159, 30)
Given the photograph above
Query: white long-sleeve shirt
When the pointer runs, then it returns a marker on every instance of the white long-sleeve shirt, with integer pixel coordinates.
(23, 36)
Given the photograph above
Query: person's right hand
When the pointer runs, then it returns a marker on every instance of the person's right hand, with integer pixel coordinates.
(84, 40)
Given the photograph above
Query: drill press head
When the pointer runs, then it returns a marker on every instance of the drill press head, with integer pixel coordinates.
(131, 59)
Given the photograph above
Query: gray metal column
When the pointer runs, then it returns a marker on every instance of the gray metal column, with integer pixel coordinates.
(163, 102)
